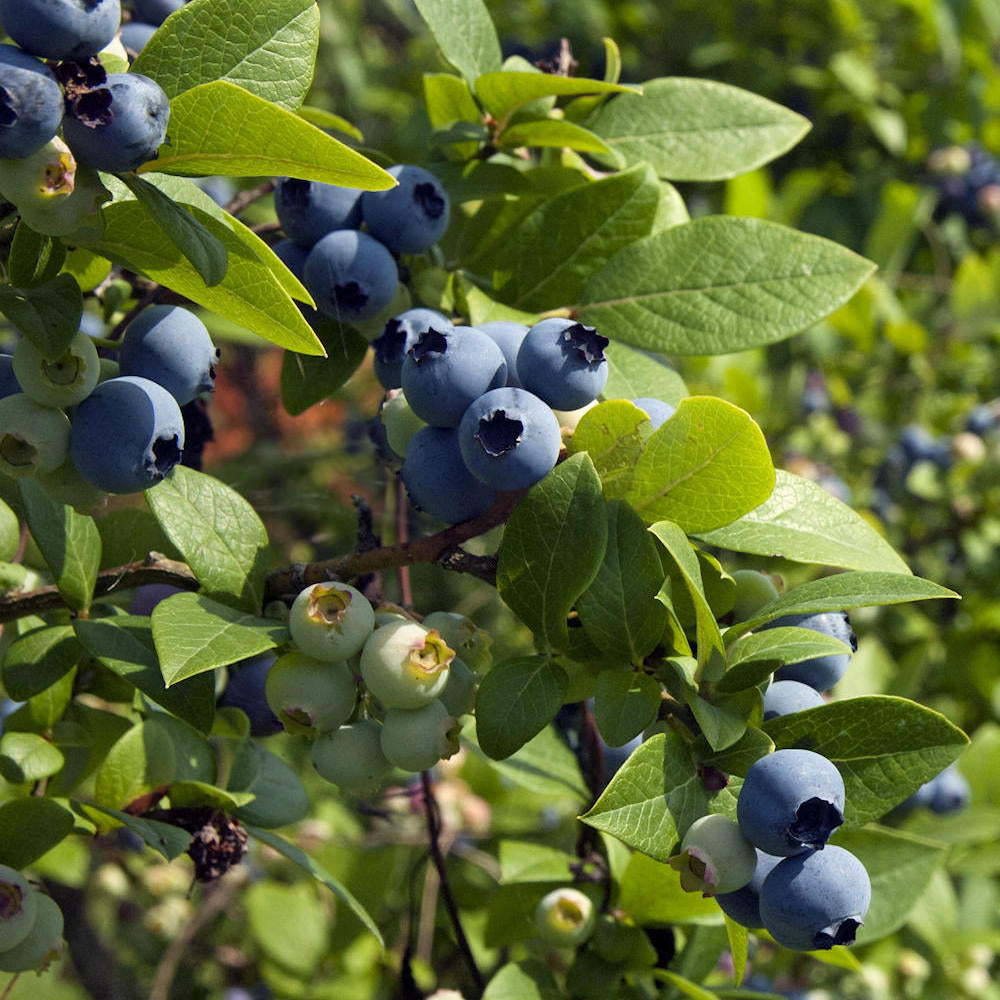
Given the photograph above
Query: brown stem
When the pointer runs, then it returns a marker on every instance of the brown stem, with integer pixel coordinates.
(437, 858)
(236, 204)
(155, 568)
(402, 537)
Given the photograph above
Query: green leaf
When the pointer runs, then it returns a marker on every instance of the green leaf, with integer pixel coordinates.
(625, 703)
(10, 532)
(711, 649)
(651, 893)
(885, 747)
(685, 986)
(324, 119)
(42, 711)
(753, 658)
(299, 857)
(738, 757)
(843, 591)
(279, 795)
(501, 92)
(449, 102)
(265, 46)
(170, 841)
(544, 765)
(719, 284)
(900, 867)
(550, 132)
(704, 467)
(204, 251)
(803, 522)
(464, 33)
(29, 828)
(36, 660)
(28, 757)
(549, 257)
(69, 542)
(217, 532)
(195, 794)
(305, 380)
(34, 259)
(611, 433)
(633, 374)
(528, 979)
(48, 315)
(526, 861)
(194, 634)
(697, 130)
(656, 796)
(124, 644)
(250, 294)
(141, 761)
(619, 610)
(721, 727)
(738, 943)
(552, 548)
(219, 128)
(515, 701)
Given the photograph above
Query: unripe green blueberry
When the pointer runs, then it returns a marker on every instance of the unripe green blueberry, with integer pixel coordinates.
(330, 621)
(351, 757)
(459, 694)
(753, 591)
(18, 907)
(42, 944)
(470, 642)
(405, 665)
(33, 438)
(715, 857)
(68, 379)
(310, 696)
(400, 422)
(415, 739)
(565, 918)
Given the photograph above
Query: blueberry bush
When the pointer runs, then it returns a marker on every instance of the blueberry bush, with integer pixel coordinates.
(491, 698)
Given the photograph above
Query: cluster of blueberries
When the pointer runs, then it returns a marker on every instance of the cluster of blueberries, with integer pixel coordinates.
(373, 688)
(31, 924)
(55, 415)
(113, 122)
(967, 179)
(476, 409)
(773, 867)
(351, 272)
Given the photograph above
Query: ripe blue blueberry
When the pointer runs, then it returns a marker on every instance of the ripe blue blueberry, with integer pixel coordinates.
(350, 276)
(785, 697)
(127, 435)
(398, 336)
(170, 346)
(61, 29)
(946, 792)
(308, 210)
(509, 438)
(445, 370)
(410, 217)
(743, 905)
(8, 380)
(245, 690)
(139, 112)
(822, 672)
(508, 336)
(563, 362)
(155, 11)
(815, 900)
(291, 255)
(135, 34)
(791, 801)
(656, 409)
(31, 103)
(438, 481)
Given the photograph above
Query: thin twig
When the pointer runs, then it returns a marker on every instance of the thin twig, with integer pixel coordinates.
(402, 537)
(238, 202)
(437, 858)
(10, 985)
